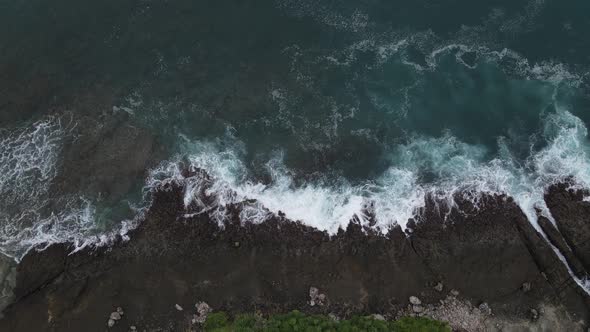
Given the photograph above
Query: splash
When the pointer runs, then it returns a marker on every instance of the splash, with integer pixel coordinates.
(451, 167)
(31, 215)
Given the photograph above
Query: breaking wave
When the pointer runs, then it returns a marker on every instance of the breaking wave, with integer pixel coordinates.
(31, 213)
(395, 196)
(443, 166)
(392, 74)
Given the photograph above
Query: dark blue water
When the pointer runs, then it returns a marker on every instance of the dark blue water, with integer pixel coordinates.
(319, 109)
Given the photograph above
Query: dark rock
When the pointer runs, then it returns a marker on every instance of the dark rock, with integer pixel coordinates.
(571, 215)
(487, 254)
(39, 268)
(553, 270)
(7, 281)
(487, 239)
(106, 158)
(559, 242)
(485, 308)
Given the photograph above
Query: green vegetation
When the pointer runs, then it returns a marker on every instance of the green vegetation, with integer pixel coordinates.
(298, 321)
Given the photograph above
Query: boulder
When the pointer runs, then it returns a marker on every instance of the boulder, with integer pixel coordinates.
(414, 300)
(439, 287)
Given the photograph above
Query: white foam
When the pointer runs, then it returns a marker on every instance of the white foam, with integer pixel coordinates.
(28, 160)
(30, 157)
(399, 193)
(30, 214)
(396, 196)
(356, 21)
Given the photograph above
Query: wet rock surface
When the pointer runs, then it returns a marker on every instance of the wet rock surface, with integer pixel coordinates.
(572, 215)
(7, 281)
(486, 255)
(558, 241)
(107, 157)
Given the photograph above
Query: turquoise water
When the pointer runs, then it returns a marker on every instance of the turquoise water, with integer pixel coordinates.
(320, 109)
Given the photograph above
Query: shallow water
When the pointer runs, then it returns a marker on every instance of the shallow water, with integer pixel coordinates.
(320, 109)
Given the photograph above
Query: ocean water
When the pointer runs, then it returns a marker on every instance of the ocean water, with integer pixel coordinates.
(321, 110)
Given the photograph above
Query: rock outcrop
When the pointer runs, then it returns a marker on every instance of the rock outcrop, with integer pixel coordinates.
(7, 281)
(487, 254)
(572, 215)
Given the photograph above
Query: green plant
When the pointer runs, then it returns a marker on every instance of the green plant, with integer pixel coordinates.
(419, 324)
(217, 322)
(246, 323)
(297, 321)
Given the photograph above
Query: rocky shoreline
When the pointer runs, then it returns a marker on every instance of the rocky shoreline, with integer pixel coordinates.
(479, 269)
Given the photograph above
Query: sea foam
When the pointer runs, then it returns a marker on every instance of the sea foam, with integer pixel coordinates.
(396, 196)
(399, 193)
(31, 215)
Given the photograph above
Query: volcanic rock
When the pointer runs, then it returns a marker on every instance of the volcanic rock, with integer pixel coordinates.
(171, 259)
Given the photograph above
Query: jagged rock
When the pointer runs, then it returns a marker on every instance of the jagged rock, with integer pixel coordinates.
(439, 287)
(293, 254)
(115, 316)
(120, 311)
(452, 242)
(111, 323)
(415, 301)
(454, 292)
(571, 210)
(417, 309)
(559, 242)
(178, 307)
